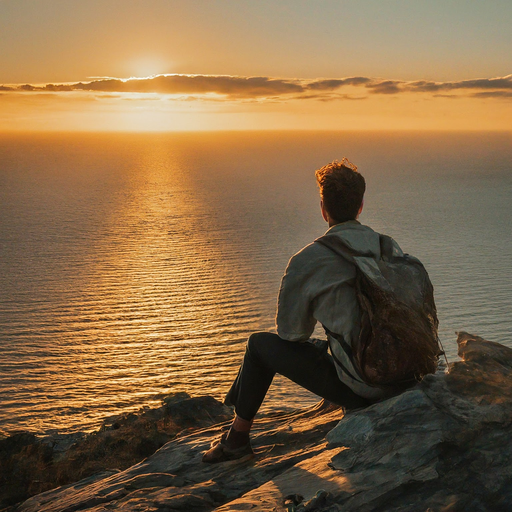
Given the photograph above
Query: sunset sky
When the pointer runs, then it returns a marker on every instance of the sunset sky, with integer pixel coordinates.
(158, 65)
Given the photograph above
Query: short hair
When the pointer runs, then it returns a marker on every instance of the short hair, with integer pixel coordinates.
(341, 189)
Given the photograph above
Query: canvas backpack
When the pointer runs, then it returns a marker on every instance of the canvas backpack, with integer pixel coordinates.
(398, 341)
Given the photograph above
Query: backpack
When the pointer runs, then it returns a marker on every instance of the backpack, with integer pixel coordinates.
(398, 341)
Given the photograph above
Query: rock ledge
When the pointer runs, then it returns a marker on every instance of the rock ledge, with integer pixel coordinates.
(444, 445)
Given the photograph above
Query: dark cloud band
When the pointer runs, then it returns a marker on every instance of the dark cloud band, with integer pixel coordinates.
(236, 87)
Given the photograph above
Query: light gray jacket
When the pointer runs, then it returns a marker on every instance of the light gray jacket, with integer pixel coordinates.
(318, 286)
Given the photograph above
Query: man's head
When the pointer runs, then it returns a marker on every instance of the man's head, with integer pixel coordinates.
(341, 190)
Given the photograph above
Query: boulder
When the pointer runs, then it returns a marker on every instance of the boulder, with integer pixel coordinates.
(31, 464)
(174, 478)
(444, 445)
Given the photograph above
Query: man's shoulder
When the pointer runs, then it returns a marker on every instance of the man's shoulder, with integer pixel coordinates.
(309, 253)
(315, 258)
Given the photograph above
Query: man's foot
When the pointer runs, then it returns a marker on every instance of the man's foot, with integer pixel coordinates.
(221, 452)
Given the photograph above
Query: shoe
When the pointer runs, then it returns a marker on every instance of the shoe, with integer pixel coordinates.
(220, 452)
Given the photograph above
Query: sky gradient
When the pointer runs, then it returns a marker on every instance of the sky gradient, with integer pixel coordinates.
(237, 64)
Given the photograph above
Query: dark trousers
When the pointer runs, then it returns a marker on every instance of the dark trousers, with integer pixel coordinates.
(306, 364)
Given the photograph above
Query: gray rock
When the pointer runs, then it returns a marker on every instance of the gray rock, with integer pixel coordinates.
(174, 478)
(444, 445)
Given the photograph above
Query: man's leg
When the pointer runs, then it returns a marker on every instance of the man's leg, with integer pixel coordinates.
(303, 363)
(267, 354)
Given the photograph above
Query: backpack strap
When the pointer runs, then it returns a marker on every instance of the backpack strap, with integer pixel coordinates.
(364, 262)
(389, 249)
(340, 247)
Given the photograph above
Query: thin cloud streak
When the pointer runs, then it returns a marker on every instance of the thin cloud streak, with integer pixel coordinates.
(276, 89)
(493, 94)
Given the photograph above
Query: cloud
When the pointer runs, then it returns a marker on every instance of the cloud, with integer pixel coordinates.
(494, 84)
(385, 87)
(336, 83)
(327, 97)
(27, 87)
(485, 83)
(449, 96)
(232, 86)
(275, 89)
(425, 86)
(493, 94)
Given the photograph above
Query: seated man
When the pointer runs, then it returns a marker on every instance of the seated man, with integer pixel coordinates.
(318, 286)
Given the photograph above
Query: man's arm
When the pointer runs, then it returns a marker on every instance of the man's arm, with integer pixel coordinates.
(294, 319)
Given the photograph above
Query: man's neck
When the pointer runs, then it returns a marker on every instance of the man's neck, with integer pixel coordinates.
(334, 223)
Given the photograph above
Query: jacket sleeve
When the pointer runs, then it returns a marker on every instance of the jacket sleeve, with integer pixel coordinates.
(294, 319)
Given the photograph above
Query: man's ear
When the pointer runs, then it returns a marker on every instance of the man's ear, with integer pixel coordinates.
(324, 213)
(360, 208)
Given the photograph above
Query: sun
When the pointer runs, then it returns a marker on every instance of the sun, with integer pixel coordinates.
(146, 66)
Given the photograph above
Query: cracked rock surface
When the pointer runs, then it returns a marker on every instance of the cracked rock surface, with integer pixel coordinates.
(444, 445)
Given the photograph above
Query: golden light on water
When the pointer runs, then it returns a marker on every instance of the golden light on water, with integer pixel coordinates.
(137, 264)
(164, 284)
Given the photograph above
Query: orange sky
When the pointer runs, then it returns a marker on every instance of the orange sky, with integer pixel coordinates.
(236, 64)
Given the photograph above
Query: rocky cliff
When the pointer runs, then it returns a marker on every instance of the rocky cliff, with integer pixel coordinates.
(444, 445)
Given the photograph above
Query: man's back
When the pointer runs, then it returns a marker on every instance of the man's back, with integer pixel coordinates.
(318, 285)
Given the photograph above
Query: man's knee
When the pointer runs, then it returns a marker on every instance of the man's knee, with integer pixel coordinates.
(259, 343)
(255, 340)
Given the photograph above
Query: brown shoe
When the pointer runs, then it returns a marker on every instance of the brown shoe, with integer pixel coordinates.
(220, 452)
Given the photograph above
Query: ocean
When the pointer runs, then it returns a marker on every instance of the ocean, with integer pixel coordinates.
(136, 265)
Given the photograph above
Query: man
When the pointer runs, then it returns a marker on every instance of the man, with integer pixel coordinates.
(318, 286)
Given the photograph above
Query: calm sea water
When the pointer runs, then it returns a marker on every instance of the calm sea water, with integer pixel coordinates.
(132, 266)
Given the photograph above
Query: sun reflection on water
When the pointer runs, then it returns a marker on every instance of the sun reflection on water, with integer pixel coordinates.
(137, 265)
